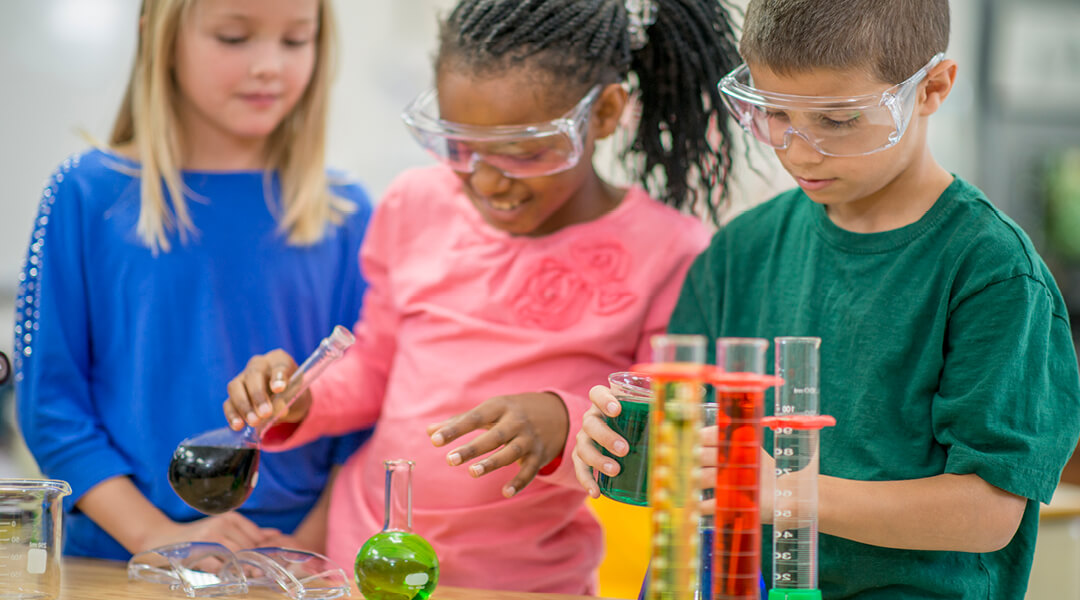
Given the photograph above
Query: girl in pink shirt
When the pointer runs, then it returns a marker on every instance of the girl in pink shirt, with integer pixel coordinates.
(507, 280)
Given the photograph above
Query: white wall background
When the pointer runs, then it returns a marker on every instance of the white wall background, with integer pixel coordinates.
(64, 64)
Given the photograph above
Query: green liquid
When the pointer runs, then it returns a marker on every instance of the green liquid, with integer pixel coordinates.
(395, 565)
(631, 485)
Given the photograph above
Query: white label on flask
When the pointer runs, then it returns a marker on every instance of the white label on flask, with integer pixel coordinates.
(35, 561)
(416, 579)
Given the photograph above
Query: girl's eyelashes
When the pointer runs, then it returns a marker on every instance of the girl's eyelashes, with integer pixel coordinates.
(232, 40)
(292, 40)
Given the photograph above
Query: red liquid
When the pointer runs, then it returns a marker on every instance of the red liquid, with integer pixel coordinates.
(738, 518)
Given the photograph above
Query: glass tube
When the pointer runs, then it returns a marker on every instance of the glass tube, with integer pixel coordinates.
(795, 449)
(740, 405)
(674, 492)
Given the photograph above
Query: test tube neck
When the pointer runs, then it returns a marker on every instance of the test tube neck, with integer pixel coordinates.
(331, 348)
(398, 496)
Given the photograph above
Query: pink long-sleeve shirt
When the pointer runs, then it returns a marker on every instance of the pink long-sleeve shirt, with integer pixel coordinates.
(457, 312)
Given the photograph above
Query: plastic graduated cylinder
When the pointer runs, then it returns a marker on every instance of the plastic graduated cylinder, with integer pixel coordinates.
(796, 426)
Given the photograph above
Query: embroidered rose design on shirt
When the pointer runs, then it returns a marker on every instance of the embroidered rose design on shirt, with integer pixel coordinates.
(556, 293)
(554, 296)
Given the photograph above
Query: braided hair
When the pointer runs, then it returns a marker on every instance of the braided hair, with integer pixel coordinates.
(681, 150)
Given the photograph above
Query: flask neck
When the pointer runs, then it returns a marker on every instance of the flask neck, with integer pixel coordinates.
(398, 496)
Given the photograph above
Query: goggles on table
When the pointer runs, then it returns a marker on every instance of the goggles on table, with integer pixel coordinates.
(832, 125)
(201, 569)
(518, 151)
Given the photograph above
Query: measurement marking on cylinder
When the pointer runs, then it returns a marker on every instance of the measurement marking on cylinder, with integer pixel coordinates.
(35, 561)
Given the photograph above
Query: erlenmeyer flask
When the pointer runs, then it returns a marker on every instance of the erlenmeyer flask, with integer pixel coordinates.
(215, 471)
(397, 564)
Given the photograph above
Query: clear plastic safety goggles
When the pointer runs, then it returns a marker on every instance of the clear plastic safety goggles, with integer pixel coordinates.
(832, 125)
(200, 569)
(518, 151)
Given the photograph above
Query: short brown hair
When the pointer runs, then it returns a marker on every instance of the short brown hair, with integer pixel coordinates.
(891, 39)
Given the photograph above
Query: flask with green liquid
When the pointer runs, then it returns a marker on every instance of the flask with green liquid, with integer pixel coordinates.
(397, 564)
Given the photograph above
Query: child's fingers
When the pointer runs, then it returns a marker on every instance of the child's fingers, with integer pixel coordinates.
(486, 442)
(240, 404)
(255, 379)
(709, 436)
(706, 477)
(506, 455)
(279, 382)
(472, 420)
(529, 468)
(236, 422)
(432, 428)
(604, 400)
(599, 432)
(707, 456)
(584, 473)
(278, 379)
(707, 507)
(273, 382)
(261, 408)
(586, 450)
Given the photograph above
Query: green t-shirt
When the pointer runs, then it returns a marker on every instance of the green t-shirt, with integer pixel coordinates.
(945, 349)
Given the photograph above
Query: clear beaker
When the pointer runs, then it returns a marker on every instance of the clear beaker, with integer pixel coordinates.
(31, 513)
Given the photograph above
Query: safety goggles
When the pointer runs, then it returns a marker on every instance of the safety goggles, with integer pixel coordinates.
(518, 151)
(832, 125)
(201, 569)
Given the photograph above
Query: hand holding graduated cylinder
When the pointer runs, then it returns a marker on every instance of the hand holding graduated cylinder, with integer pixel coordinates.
(678, 374)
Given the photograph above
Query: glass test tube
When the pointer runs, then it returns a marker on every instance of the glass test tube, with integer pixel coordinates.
(673, 465)
(737, 553)
(796, 427)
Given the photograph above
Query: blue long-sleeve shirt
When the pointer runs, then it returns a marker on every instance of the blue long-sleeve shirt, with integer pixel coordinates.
(121, 354)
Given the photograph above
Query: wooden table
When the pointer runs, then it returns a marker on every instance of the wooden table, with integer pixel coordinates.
(89, 579)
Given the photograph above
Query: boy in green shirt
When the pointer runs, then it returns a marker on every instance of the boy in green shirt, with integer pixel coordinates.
(946, 355)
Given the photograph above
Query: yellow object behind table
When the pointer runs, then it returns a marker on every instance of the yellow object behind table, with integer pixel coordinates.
(626, 540)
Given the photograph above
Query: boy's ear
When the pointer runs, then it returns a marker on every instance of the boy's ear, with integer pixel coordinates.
(608, 109)
(939, 82)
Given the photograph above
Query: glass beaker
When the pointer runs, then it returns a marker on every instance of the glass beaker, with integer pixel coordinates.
(215, 471)
(634, 394)
(397, 564)
(31, 513)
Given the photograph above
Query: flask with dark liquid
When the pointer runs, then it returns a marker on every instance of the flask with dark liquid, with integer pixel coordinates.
(215, 471)
(397, 564)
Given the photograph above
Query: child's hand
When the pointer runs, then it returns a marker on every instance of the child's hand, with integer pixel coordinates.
(250, 393)
(707, 476)
(766, 479)
(595, 431)
(527, 428)
(708, 438)
(771, 503)
(231, 529)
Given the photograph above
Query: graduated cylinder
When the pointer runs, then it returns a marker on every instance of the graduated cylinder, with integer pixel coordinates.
(674, 491)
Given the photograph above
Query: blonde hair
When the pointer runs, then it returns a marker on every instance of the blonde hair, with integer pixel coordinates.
(296, 149)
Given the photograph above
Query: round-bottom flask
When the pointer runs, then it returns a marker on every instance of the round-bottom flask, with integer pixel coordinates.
(397, 564)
